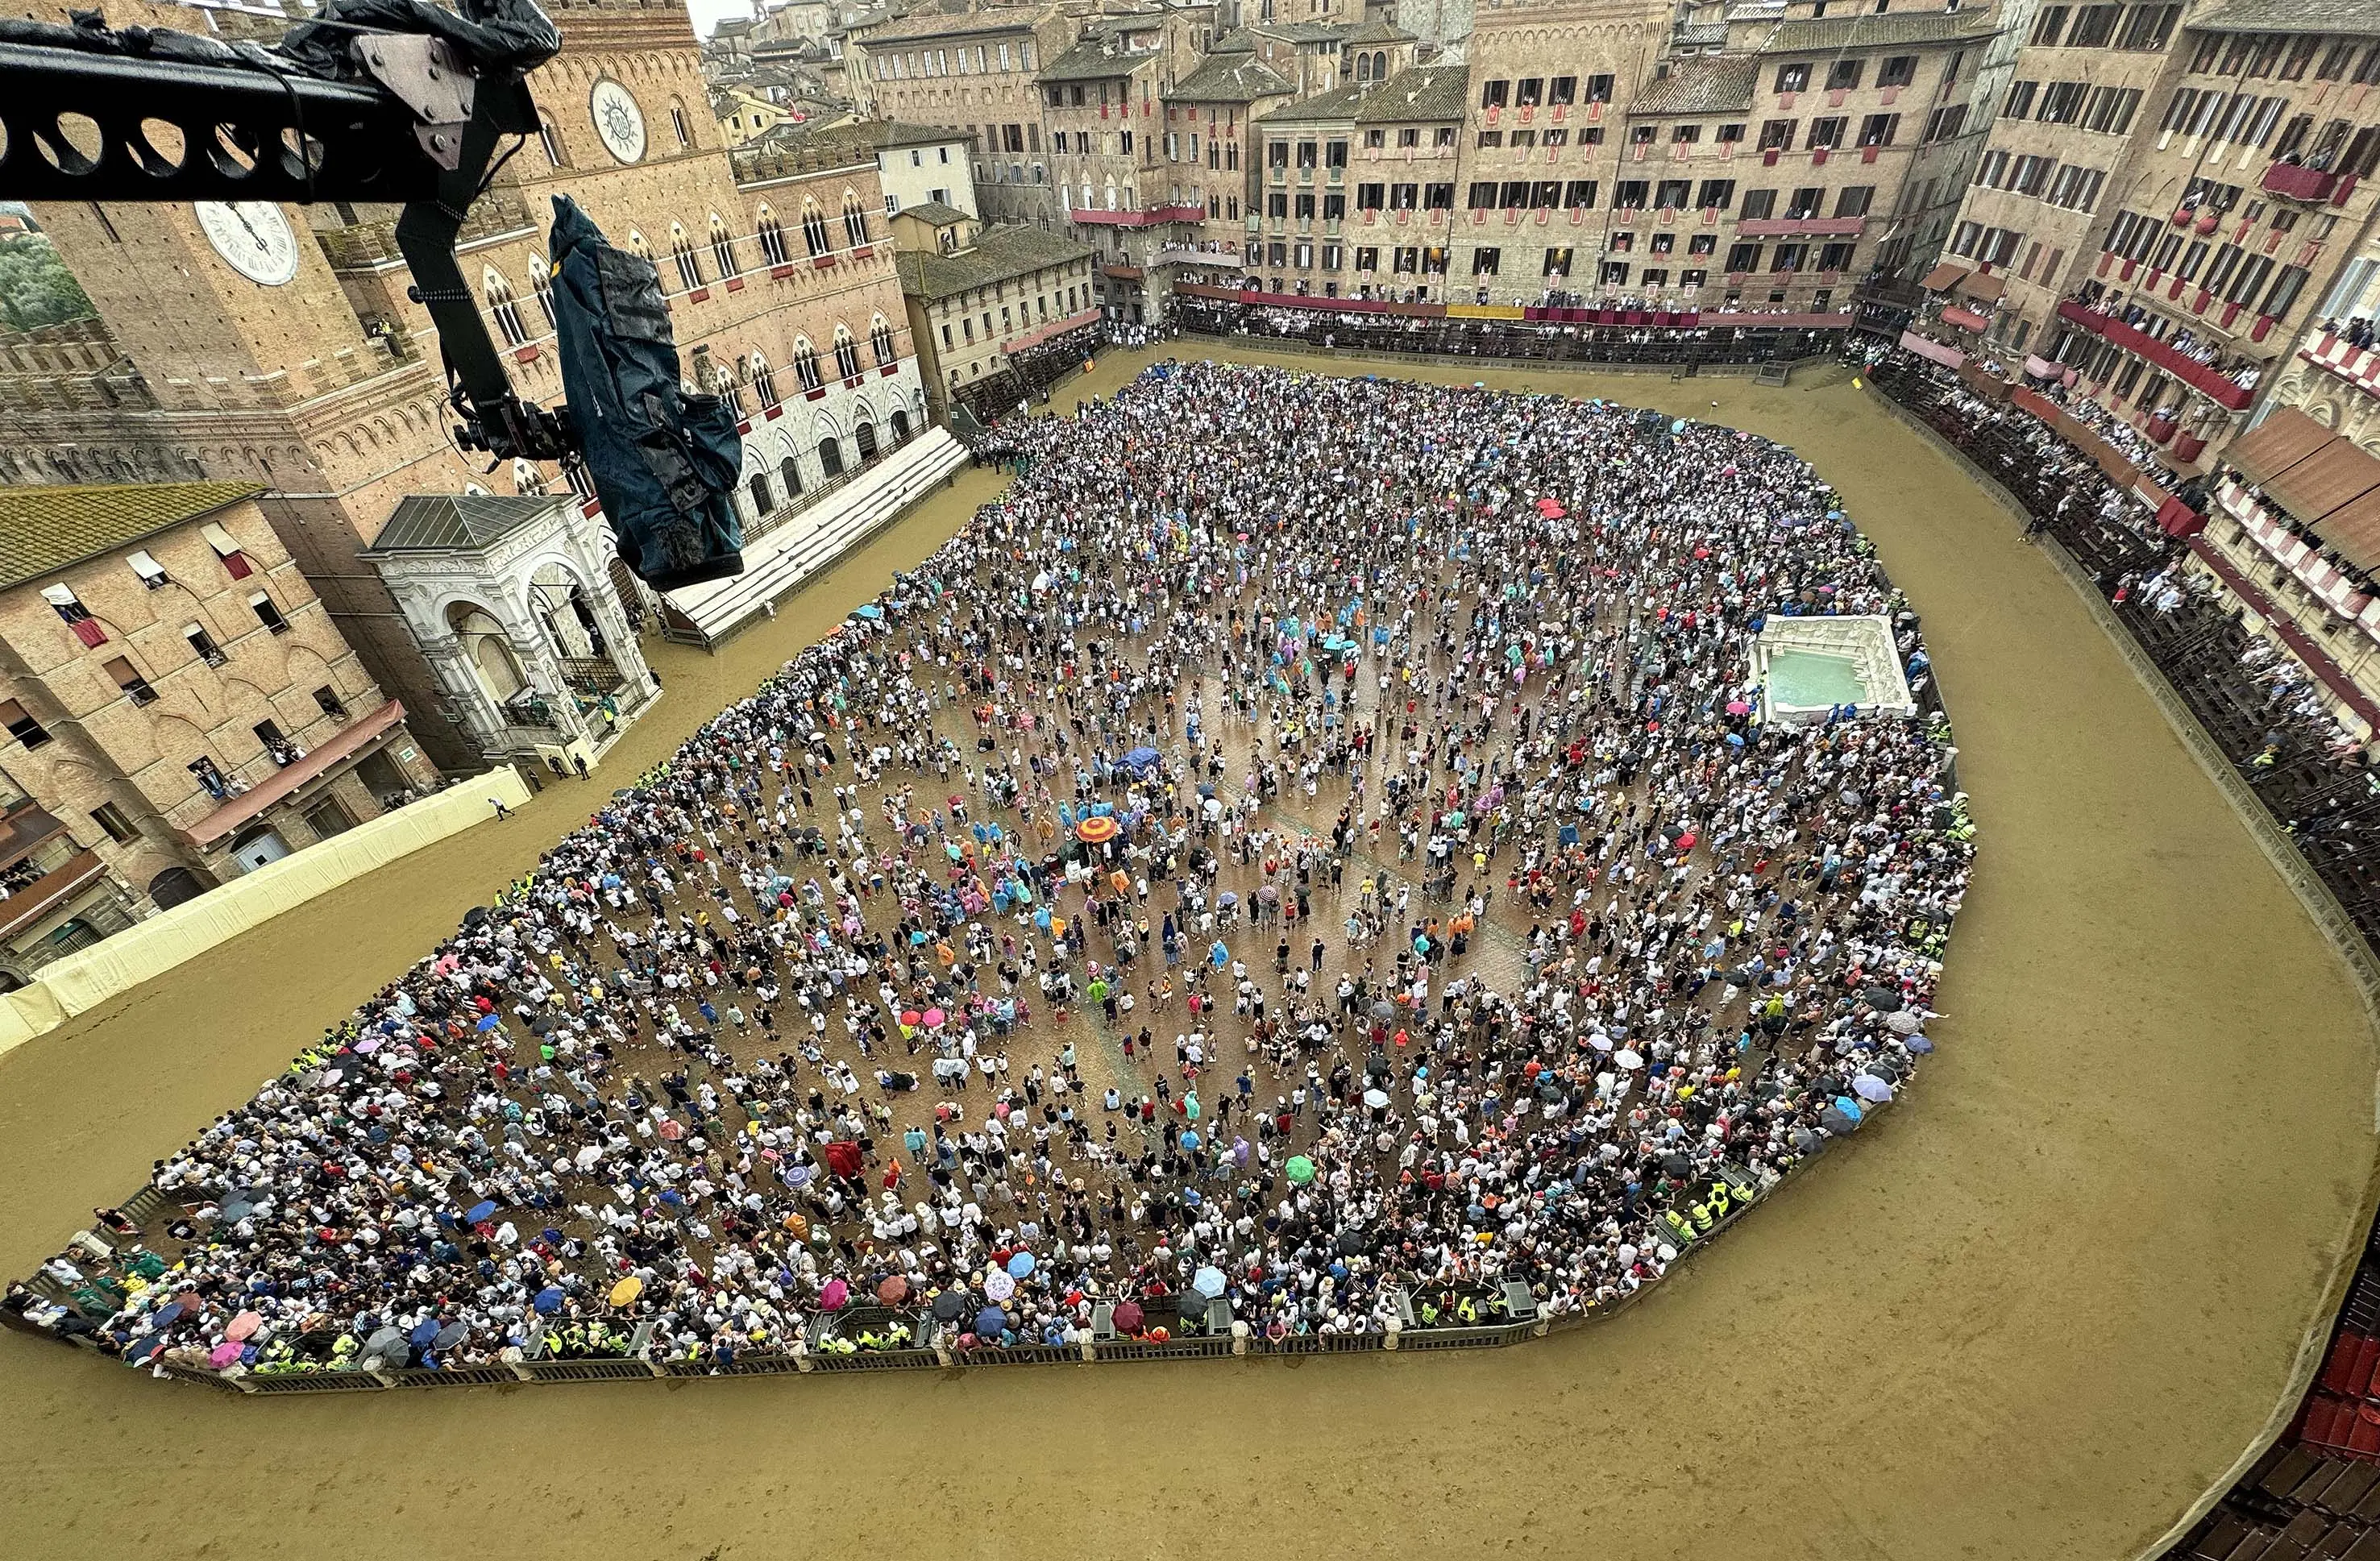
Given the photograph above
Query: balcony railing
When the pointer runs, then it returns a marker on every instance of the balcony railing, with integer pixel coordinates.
(28, 904)
(1145, 217)
(1802, 227)
(2216, 387)
(2299, 182)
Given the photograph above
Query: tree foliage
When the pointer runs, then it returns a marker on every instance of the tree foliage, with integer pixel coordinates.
(36, 289)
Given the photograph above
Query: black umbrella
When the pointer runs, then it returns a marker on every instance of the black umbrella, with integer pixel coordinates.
(1884, 999)
(1676, 1166)
(1836, 1122)
(1807, 1143)
(542, 1023)
(1384, 1010)
(1349, 1242)
(475, 917)
(950, 1306)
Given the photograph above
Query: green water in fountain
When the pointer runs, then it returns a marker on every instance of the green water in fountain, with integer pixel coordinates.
(1808, 678)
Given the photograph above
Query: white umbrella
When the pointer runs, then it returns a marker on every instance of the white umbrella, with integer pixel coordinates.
(1375, 1098)
(998, 1285)
(1629, 1060)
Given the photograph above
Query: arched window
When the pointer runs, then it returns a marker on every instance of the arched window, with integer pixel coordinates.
(1380, 65)
(1363, 68)
(900, 426)
(540, 284)
(772, 240)
(762, 500)
(855, 220)
(506, 312)
(865, 434)
(723, 247)
(814, 230)
(806, 366)
(679, 124)
(689, 262)
(879, 337)
(831, 456)
(764, 383)
(637, 244)
(526, 478)
(557, 155)
(790, 470)
(846, 353)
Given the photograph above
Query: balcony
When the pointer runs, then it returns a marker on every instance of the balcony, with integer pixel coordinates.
(1193, 255)
(2297, 182)
(27, 902)
(1145, 217)
(1800, 227)
(2189, 370)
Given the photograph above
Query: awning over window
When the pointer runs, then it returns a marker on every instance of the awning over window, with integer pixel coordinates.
(2323, 481)
(1979, 285)
(1942, 278)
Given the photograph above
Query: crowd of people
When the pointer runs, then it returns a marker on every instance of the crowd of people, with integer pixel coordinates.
(1311, 849)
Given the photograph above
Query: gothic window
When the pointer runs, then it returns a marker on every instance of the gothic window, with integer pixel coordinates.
(881, 339)
(763, 382)
(846, 353)
(506, 312)
(855, 220)
(687, 260)
(806, 366)
(772, 240)
(814, 231)
(723, 247)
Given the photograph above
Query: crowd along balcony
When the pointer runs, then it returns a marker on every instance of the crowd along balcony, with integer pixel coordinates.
(1800, 227)
(2189, 370)
(1150, 217)
(28, 903)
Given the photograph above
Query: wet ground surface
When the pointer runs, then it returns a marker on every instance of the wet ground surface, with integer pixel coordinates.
(2032, 1313)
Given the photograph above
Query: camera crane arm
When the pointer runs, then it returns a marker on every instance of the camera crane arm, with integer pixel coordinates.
(90, 113)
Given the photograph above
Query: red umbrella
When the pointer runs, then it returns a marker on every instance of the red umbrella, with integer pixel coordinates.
(1127, 1317)
(843, 1158)
(892, 1292)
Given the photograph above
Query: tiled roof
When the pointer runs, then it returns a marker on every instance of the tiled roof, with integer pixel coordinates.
(1000, 254)
(1428, 91)
(935, 24)
(1304, 31)
(1094, 58)
(1236, 42)
(859, 135)
(1379, 30)
(440, 522)
(1229, 79)
(1339, 102)
(1704, 86)
(934, 212)
(43, 529)
(2293, 16)
(1867, 32)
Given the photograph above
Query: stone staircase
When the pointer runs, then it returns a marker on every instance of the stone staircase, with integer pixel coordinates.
(777, 563)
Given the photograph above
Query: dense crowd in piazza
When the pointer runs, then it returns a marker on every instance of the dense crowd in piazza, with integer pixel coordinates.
(1311, 844)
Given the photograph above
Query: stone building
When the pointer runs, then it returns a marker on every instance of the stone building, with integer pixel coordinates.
(2167, 194)
(974, 71)
(978, 296)
(175, 698)
(915, 163)
(1211, 161)
(278, 346)
(1359, 188)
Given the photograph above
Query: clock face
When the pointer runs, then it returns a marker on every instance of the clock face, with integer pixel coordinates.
(618, 121)
(254, 237)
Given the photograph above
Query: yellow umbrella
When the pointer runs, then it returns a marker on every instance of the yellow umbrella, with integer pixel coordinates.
(627, 1290)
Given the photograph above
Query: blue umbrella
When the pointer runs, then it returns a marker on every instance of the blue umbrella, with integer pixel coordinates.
(423, 1332)
(478, 1211)
(488, 1021)
(1020, 1265)
(1207, 1282)
(549, 1300)
(1189, 1140)
(989, 1322)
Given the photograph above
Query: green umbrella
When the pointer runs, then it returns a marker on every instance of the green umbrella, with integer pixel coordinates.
(1300, 1168)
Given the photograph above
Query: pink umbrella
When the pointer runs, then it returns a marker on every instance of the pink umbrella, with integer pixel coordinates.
(835, 1297)
(223, 1354)
(934, 1018)
(244, 1325)
(1738, 708)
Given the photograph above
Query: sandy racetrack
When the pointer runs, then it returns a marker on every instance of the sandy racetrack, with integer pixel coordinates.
(2034, 1313)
